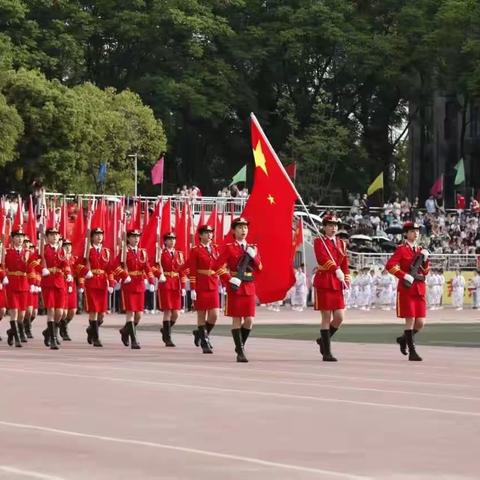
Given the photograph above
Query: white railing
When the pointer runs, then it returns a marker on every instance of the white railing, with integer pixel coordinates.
(445, 261)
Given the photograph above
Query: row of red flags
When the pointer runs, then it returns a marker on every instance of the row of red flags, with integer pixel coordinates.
(269, 210)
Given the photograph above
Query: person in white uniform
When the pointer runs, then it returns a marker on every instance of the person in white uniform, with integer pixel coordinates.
(458, 290)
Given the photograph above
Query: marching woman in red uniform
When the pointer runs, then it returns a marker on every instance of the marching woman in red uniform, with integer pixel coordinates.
(34, 292)
(55, 269)
(133, 271)
(171, 288)
(17, 267)
(95, 276)
(204, 284)
(236, 264)
(411, 302)
(3, 296)
(331, 278)
(71, 301)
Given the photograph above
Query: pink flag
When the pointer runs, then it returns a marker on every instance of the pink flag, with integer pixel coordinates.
(157, 171)
(437, 187)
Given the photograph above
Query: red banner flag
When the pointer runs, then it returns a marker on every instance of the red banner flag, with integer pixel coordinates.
(148, 240)
(270, 212)
(437, 187)
(213, 218)
(291, 169)
(298, 235)
(166, 219)
(157, 171)
(31, 226)
(18, 219)
(62, 227)
(78, 234)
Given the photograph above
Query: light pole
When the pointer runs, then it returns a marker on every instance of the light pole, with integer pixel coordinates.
(135, 157)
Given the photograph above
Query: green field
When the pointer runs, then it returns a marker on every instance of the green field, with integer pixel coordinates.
(452, 334)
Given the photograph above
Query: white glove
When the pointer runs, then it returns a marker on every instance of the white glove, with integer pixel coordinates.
(45, 272)
(127, 280)
(339, 274)
(252, 252)
(70, 289)
(69, 278)
(184, 292)
(425, 253)
(193, 295)
(89, 274)
(110, 289)
(224, 291)
(235, 281)
(5, 281)
(33, 289)
(151, 288)
(408, 278)
(162, 278)
(81, 290)
(38, 289)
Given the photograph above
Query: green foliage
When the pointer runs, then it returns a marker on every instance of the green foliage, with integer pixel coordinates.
(11, 127)
(70, 131)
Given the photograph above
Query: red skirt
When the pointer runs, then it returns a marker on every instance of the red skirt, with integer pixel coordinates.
(133, 301)
(239, 305)
(17, 300)
(32, 300)
(54, 297)
(71, 301)
(327, 299)
(207, 300)
(3, 298)
(411, 306)
(169, 299)
(96, 300)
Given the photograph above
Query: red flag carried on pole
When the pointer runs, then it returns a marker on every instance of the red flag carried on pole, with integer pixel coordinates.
(298, 235)
(157, 171)
(166, 225)
(269, 210)
(437, 187)
(291, 169)
(31, 227)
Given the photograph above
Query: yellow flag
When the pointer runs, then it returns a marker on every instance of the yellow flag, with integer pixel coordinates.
(377, 184)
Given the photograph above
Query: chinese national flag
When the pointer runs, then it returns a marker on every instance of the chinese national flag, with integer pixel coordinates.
(269, 210)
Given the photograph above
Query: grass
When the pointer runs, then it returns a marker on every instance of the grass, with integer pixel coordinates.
(451, 334)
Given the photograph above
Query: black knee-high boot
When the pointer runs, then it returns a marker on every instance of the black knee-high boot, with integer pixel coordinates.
(402, 342)
(245, 334)
(203, 339)
(12, 335)
(327, 354)
(166, 333)
(124, 334)
(412, 353)
(21, 332)
(51, 335)
(27, 325)
(95, 335)
(133, 337)
(237, 339)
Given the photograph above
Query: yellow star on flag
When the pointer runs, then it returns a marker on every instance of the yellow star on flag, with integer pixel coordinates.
(271, 199)
(260, 158)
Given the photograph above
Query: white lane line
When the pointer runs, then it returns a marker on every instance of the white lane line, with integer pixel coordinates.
(250, 392)
(27, 473)
(206, 453)
(337, 376)
(415, 393)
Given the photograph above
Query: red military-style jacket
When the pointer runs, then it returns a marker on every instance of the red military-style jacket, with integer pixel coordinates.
(173, 266)
(331, 254)
(201, 263)
(137, 267)
(17, 266)
(72, 262)
(227, 264)
(399, 265)
(100, 263)
(56, 262)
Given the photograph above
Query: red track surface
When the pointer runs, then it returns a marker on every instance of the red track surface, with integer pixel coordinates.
(157, 413)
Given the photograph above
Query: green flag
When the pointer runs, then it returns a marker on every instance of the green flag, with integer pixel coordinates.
(240, 176)
(460, 176)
